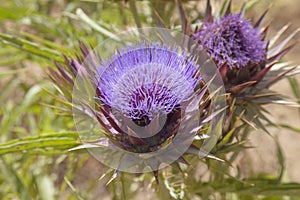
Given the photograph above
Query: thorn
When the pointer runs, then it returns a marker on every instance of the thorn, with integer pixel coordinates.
(265, 30)
(103, 175)
(228, 10)
(223, 71)
(208, 12)
(242, 11)
(277, 78)
(185, 25)
(113, 177)
(261, 19)
(202, 137)
(238, 89)
(182, 160)
(215, 158)
(258, 77)
(283, 52)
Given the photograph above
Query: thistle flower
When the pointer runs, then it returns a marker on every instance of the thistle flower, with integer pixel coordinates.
(149, 99)
(238, 48)
(144, 83)
(232, 41)
(247, 62)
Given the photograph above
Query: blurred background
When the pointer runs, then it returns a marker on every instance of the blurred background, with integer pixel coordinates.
(36, 32)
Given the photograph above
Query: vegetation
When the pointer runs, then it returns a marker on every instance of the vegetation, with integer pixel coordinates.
(37, 129)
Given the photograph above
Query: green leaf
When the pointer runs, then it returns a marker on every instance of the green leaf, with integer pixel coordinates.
(292, 128)
(224, 7)
(11, 72)
(11, 60)
(252, 187)
(15, 180)
(84, 18)
(133, 8)
(174, 183)
(46, 187)
(281, 162)
(237, 146)
(30, 47)
(44, 143)
(12, 12)
(45, 42)
(12, 115)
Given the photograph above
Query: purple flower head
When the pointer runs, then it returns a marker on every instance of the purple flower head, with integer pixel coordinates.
(145, 80)
(142, 108)
(233, 41)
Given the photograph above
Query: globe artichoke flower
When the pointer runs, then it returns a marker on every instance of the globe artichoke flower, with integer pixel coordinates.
(247, 62)
(235, 45)
(149, 101)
